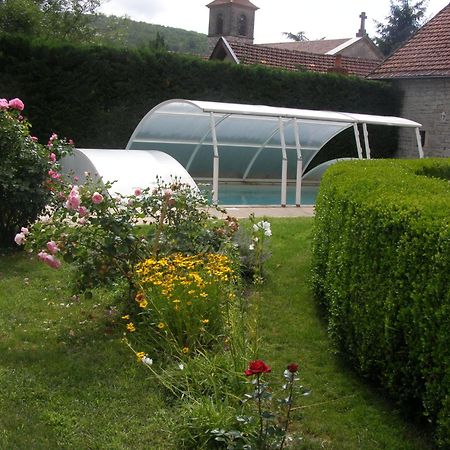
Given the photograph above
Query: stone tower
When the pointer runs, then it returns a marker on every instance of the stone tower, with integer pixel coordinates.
(232, 19)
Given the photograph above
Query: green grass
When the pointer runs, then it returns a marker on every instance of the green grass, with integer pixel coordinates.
(67, 380)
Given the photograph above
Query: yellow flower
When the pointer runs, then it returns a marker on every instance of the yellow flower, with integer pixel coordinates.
(205, 321)
(143, 304)
(131, 327)
(140, 356)
(185, 350)
(127, 317)
(161, 325)
(203, 294)
(139, 297)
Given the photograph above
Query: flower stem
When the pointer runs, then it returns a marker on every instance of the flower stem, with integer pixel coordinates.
(288, 413)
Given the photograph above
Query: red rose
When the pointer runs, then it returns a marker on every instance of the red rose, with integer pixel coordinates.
(292, 367)
(258, 366)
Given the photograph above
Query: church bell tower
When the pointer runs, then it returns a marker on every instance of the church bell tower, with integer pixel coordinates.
(232, 19)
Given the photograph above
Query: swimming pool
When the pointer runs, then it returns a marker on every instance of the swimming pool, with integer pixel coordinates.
(259, 194)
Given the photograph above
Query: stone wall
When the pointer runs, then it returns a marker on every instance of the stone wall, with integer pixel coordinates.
(426, 101)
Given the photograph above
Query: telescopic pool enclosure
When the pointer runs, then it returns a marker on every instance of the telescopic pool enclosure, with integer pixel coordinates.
(226, 142)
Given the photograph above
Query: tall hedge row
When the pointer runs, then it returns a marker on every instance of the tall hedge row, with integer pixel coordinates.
(381, 270)
(97, 95)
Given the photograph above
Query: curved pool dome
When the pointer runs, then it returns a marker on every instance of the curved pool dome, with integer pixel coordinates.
(128, 169)
(237, 142)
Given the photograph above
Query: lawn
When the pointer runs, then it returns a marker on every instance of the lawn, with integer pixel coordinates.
(68, 381)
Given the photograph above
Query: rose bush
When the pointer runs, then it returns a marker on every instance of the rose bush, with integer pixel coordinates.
(25, 167)
(106, 236)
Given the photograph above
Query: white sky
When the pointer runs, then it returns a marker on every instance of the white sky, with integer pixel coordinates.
(317, 18)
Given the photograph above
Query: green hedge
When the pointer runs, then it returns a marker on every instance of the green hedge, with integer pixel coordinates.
(381, 271)
(98, 95)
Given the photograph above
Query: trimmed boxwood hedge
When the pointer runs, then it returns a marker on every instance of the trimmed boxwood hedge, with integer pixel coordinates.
(381, 271)
(97, 95)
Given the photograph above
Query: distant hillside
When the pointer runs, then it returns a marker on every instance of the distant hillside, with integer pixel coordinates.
(137, 34)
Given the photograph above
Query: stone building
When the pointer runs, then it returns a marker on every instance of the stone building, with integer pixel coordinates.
(421, 68)
(232, 19)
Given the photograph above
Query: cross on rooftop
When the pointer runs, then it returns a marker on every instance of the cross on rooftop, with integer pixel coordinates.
(362, 31)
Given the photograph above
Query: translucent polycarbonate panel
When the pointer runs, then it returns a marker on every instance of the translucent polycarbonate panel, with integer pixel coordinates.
(202, 165)
(315, 174)
(128, 169)
(267, 165)
(312, 135)
(234, 161)
(174, 128)
(181, 152)
(247, 130)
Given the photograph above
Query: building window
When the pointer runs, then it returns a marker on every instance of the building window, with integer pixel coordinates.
(242, 25)
(219, 24)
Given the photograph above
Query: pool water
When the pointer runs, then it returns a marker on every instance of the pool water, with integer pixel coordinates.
(257, 194)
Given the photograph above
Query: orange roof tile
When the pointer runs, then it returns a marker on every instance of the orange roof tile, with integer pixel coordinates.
(294, 60)
(321, 46)
(425, 54)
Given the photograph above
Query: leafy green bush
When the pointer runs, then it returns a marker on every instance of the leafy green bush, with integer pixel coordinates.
(101, 234)
(121, 85)
(381, 270)
(24, 171)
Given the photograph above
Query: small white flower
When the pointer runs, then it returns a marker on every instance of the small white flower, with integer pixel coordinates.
(251, 247)
(181, 366)
(147, 361)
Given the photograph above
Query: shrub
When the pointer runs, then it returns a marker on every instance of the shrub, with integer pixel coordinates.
(381, 270)
(24, 165)
(104, 237)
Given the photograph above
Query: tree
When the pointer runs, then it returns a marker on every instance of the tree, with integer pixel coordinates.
(298, 37)
(405, 18)
(62, 20)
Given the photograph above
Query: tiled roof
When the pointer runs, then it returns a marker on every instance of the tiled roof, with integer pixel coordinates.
(245, 3)
(321, 46)
(425, 54)
(294, 60)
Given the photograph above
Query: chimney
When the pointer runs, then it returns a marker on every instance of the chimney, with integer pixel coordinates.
(337, 68)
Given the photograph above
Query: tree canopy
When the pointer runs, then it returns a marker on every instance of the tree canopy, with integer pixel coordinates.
(62, 20)
(405, 18)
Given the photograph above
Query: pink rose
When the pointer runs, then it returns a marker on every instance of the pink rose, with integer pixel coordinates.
(42, 255)
(52, 247)
(52, 157)
(73, 201)
(138, 192)
(50, 260)
(25, 231)
(34, 138)
(82, 211)
(16, 103)
(4, 103)
(97, 198)
(53, 174)
(53, 262)
(53, 137)
(20, 239)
